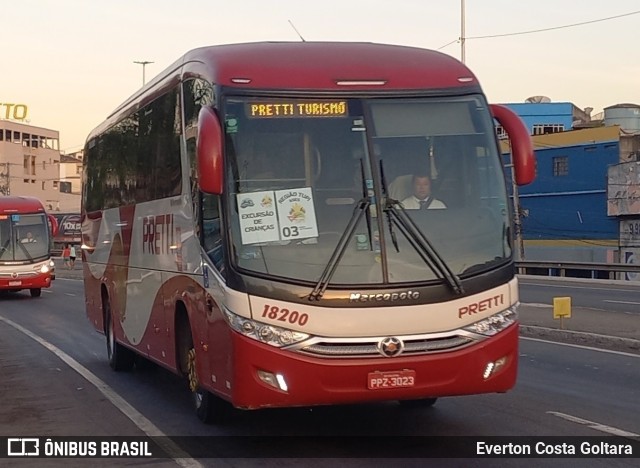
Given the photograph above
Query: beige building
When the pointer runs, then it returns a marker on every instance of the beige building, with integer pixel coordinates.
(30, 166)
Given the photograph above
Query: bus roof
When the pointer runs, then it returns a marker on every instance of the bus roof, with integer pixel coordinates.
(309, 66)
(11, 204)
(321, 65)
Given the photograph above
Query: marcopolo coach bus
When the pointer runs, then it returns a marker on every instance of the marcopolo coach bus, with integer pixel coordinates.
(246, 223)
(25, 245)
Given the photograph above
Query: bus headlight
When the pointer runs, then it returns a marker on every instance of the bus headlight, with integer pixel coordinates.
(265, 333)
(44, 268)
(494, 324)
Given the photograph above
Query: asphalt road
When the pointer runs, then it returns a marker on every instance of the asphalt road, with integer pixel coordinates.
(561, 391)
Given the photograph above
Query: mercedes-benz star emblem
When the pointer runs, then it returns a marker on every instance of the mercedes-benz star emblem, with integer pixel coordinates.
(390, 346)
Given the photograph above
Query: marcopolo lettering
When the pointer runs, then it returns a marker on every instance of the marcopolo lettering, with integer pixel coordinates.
(384, 297)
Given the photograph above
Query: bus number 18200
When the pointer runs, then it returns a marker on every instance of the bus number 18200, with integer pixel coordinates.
(285, 315)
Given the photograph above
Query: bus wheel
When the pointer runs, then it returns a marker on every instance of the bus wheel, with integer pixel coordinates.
(415, 404)
(35, 292)
(209, 408)
(120, 358)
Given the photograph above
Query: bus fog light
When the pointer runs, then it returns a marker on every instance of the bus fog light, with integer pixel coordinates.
(273, 380)
(494, 367)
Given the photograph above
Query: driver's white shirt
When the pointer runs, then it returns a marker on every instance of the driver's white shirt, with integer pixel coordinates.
(413, 203)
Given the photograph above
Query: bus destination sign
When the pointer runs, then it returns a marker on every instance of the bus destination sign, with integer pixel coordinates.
(283, 109)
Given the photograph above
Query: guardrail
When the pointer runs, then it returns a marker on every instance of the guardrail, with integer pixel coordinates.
(592, 270)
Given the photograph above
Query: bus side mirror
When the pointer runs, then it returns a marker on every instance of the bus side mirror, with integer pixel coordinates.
(524, 161)
(209, 151)
(53, 225)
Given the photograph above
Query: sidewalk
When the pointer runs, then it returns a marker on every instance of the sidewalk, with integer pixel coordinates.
(615, 331)
(588, 327)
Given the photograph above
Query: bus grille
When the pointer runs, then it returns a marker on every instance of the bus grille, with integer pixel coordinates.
(19, 274)
(412, 347)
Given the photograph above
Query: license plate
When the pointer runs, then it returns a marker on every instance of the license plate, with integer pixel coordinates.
(15, 283)
(393, 379)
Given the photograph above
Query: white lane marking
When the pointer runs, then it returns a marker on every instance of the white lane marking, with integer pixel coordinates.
(623, 302)
(619, 353)
(594, 425)
(179, 456)
(70, 294)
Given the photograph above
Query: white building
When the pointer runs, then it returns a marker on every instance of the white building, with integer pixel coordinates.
(30, 166)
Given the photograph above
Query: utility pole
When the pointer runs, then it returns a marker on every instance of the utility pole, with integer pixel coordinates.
(462, 33)
(144, 64)
(517, 225)
(6, 189)
(517, 210)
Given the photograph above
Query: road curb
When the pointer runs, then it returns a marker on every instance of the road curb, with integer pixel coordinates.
(613, 343)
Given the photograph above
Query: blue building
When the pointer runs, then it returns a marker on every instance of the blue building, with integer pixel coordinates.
(564, 211)
(543, 117)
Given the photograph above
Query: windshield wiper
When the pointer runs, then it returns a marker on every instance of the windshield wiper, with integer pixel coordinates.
(321, 286)
(392, 233)
(4, 249)
(417, 239)
(26, 252)
(360, 209)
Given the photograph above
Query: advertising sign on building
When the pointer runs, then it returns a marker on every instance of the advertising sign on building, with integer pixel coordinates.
(9, 111)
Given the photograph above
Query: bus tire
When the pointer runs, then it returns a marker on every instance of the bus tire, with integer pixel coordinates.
(121, 359)
(35, 292)
(421, 403)
(209, 408)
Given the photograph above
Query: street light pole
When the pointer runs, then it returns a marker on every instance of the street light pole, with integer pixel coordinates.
(144, 63)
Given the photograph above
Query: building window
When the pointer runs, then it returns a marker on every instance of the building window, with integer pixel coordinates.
(560, 166)
(55, 184)
(500, 131)
(544, 129)
(43, 185)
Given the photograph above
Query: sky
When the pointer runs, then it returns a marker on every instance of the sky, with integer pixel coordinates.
(72, 61)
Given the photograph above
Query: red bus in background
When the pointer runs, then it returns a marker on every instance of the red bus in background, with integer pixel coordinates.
(26, 233)
(246, 224)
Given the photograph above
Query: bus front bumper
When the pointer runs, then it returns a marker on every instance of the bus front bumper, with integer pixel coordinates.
(269, 377)
(33, 281)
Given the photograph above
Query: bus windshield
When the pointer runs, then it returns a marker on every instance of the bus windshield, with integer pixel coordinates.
(300, 172)
(23, 237)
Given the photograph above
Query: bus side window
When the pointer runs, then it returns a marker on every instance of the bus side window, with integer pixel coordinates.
(211, 230)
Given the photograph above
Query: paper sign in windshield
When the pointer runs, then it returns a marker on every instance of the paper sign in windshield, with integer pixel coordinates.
(296, 214)
(258, 219)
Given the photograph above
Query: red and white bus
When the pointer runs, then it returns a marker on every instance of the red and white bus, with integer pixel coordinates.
(25, 242)
(243, 225)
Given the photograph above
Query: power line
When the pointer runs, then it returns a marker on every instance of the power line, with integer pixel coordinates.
(490, 36)
(555, 27)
